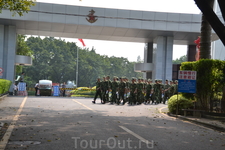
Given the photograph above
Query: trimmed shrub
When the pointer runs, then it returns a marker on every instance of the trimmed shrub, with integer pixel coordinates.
(83, 93)
(183, 103)
(4, 86)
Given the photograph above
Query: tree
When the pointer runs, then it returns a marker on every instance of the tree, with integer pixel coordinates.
(17, 6)
(212, 18)
(180, 60)
(22, 49)
(205, 43)
(139, 59)
(55, 60)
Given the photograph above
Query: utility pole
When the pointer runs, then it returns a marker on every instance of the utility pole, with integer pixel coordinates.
(77, 69)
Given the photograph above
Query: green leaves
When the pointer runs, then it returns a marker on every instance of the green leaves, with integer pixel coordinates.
(4, 86)
(209, 79)
(56, 60)
(17, 6)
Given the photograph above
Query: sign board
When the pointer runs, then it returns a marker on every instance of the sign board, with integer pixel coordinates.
(187, 81)
(1, 71)
(55, 90)
(22, 86)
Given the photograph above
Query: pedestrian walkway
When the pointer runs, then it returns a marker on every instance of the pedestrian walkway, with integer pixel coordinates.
(216, 124)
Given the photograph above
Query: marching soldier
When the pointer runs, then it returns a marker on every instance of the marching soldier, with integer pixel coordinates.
(166, 92)
(108, 86)
(114, 90)
(139, 91)
(98, 90)
(121, 90)
(176, 87)
(104, 89)
(133, 90)
(127, 91)
(171, 88)
(148, 91)
(161, 91)
(156, 92)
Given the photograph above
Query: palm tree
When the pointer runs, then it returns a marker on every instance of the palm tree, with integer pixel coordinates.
(205, 44)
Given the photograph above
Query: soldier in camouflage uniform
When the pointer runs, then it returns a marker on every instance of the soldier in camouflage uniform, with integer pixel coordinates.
(104, 90)
(156, 92)
(166, 90)
(148, 91)
(133, 90)
(115, 86)
(98, 90)
(139, 92)
(127, 90)
(171, 88)
(176, 87)
(121, 90)
(108, 86)
(161, 91)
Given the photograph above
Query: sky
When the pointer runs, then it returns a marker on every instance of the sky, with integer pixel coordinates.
(127, 49)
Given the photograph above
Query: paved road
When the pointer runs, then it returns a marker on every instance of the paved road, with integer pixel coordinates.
(56, 123)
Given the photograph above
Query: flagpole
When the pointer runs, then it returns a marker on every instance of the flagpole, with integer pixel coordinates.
(77, 69)
(81, 40)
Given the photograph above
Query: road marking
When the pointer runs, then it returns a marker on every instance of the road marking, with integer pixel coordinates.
(83, 105)
(136, 135)
(160, 111)
(8, 132)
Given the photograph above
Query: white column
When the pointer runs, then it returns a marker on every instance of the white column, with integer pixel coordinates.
(169, 59)
(162, 58)
(1, 46)
(8, 51)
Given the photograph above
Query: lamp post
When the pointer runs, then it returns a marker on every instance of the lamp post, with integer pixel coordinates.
(77, 69)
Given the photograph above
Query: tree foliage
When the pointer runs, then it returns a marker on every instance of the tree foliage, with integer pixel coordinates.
(22, 49)
(180, 60)
(17, 6)
(209, 74)
(56, 60)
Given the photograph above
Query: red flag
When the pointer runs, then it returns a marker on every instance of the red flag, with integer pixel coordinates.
(81, 40)
(197, 55)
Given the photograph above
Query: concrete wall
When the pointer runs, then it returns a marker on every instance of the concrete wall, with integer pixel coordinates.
(8, 51)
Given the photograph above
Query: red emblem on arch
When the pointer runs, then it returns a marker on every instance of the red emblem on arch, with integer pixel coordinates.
(92, 18)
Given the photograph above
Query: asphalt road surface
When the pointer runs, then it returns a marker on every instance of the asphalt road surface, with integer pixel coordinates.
(57, 123)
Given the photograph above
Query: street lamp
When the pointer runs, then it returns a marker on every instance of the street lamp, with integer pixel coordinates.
(77, 69)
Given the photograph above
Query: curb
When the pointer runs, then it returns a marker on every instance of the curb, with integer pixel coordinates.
(1, 125)
(208, 125)
(3, 96)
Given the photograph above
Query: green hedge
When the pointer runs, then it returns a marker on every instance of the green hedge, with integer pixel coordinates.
(209, 80)
(183, 103)
(83, 93)
(4, 86)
